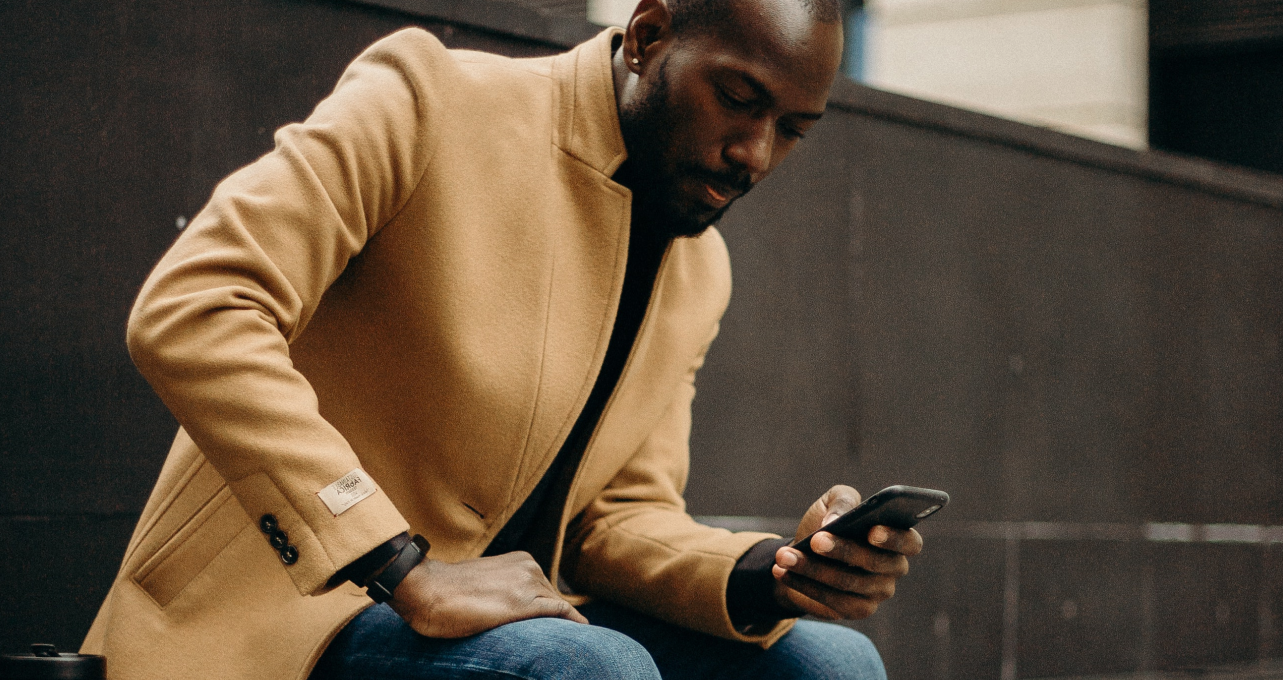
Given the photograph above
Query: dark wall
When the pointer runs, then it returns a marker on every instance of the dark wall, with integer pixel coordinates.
(1050, 339)
(119, 118)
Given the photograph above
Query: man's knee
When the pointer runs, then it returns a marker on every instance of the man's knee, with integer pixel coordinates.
(573, 651)
(826, 650)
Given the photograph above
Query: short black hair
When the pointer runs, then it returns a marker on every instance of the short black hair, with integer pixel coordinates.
(700, 14)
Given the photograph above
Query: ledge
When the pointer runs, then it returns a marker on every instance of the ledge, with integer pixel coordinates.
(1252, 186)
(500, 16)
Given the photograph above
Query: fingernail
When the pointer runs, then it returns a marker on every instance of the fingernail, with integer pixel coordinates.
(829, 518)
(822, 543)
(788, 558)
(778, 571)
(879, 535)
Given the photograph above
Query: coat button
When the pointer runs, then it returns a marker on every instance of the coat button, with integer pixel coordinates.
(279, 540)
(289, 555)
(267, 523)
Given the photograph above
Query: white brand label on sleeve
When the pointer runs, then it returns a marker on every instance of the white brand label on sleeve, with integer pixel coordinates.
(347, 491)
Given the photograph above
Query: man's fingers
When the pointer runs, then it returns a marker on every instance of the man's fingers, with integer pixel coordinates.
(839, 576)
(854, 554)
(553, 607)
(907, 542)
(824, 601)
(564, 610)
(548, 603)
(807, 604)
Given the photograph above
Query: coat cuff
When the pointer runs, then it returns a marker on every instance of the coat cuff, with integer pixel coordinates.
(322, 542)
(750, 590)
(763, 632)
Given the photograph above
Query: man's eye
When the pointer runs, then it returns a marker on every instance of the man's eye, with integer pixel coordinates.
(791, 132)
(731, 101)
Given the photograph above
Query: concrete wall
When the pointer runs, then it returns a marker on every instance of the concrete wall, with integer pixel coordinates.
(611, 12)
(1078, 66)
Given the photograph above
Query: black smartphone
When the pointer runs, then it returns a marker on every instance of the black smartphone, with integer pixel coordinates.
(898, 507)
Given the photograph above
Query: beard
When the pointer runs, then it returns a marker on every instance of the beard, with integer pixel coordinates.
(648, 124)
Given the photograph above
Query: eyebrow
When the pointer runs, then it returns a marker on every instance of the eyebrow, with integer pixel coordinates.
(762, 92)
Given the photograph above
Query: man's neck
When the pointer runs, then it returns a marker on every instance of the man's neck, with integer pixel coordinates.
(619, 70)
(624, 81)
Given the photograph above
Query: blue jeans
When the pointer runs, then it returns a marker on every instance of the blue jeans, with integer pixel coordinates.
(620, 645)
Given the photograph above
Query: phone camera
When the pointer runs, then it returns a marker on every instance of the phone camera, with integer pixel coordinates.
(926, 512)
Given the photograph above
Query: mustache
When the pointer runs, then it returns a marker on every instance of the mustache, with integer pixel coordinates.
(738, 182)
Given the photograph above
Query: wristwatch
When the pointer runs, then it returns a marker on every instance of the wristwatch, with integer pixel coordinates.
(383, 584)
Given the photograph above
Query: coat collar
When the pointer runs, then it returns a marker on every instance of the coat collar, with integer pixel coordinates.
(587, 114)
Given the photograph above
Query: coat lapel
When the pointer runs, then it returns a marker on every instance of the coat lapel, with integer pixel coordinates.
(590, 242)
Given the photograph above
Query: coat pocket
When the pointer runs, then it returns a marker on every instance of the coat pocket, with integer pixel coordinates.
(192, 547)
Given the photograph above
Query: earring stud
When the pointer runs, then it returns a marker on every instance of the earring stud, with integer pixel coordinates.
(636, 61)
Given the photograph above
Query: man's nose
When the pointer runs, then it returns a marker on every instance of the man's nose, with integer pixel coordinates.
(752, 148)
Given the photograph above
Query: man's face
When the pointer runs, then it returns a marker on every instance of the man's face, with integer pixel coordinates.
(715, 111)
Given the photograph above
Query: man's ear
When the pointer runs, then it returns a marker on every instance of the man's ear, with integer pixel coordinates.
(647, 32)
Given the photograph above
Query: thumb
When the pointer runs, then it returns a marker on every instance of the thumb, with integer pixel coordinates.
(837, 501)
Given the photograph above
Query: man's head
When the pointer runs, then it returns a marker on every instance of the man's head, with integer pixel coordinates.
(713, 94)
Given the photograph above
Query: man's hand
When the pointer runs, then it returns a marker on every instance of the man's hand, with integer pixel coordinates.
(845, 579)
(443, 600)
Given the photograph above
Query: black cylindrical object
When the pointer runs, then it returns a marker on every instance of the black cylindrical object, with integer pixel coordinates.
(45, 663)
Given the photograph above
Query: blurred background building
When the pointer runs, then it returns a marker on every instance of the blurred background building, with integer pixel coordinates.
(1203, 77)
(1032, 255)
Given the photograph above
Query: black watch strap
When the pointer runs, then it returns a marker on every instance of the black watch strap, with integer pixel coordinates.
(368, 565)
(381, 587)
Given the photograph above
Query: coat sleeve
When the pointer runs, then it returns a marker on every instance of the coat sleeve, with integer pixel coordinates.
(636, 545)
(212, 326)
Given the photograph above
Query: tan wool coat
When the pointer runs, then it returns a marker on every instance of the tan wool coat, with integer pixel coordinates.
(419, 282)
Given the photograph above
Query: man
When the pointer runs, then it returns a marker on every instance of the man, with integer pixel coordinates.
(467, 299)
